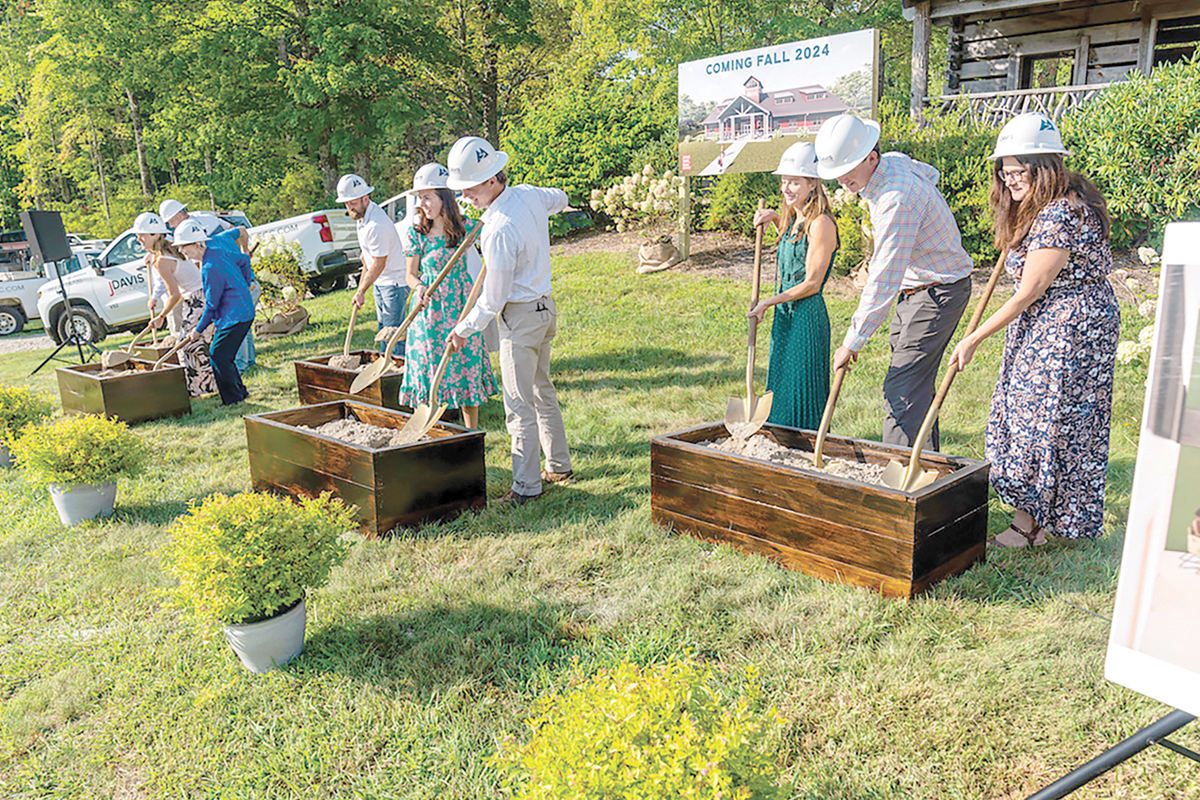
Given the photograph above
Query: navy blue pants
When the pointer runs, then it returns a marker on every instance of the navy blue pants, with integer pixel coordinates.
(221, 352)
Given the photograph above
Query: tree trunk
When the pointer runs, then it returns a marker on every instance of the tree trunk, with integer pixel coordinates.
(327, 163)
(922, 30)
(212, 201)
(362, 165)
(135, 120)
(98, 162)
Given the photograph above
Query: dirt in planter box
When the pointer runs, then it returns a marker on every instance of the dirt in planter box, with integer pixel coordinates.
(760, 446)
(360, 433)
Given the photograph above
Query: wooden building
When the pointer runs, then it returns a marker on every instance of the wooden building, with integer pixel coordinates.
(1010, 56)
(757, 114)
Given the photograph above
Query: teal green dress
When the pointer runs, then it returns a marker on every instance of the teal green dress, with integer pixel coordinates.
(799, 364)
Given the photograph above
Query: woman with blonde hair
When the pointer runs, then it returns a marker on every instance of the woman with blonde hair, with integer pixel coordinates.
(435, 235)
(179, 280)
(1047, 434)
(799, 364)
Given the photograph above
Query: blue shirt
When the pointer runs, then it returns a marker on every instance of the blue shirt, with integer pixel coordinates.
(226, 278)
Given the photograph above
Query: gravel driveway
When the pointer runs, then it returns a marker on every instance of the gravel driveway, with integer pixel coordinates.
(25, 341)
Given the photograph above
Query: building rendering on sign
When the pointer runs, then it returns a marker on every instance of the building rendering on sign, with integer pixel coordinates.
(756, 114)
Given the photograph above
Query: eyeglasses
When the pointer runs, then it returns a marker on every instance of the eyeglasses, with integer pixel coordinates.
(1013, 175)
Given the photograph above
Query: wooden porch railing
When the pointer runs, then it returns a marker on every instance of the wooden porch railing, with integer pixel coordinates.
(996, 108)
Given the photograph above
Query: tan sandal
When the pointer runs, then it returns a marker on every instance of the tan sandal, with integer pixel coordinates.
(1017, 539)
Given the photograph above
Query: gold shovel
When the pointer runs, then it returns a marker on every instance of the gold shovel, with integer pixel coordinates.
(838, 377)
(744, 416)
(912, 478)
(381, 364)
(426, 415)
(111, 359)
(345, 360)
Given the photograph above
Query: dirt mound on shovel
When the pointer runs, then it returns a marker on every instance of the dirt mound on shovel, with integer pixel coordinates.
(760, 446)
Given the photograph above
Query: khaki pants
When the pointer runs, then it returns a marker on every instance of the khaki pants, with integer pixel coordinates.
(531, 407)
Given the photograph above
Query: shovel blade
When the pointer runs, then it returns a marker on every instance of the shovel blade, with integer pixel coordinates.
(369, 375)
(742, 423)
(423, 418)
(113, 358)
(894, 472)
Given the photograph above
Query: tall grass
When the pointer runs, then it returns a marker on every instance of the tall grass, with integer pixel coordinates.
(429, 646)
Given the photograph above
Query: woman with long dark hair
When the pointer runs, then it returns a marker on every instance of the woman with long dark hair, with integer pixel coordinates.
(1047, 434)
(438, 229)
(799, 365)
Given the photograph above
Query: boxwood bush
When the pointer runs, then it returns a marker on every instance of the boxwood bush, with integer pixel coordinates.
(20, 406)
(80, 450)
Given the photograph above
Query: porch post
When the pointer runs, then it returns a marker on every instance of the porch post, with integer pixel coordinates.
(922, 29)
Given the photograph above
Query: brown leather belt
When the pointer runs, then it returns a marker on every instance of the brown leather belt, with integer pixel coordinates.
(915, 289)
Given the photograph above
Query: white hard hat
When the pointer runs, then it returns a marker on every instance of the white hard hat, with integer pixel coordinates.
(169, 208)
(351, 187)
(1028, 135)
(430, 176)
(149, 222)
(799, 159)
(472, 161)
(842, 144)
(190, 231)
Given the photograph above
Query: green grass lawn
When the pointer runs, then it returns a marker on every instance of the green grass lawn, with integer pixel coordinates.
(429, 647)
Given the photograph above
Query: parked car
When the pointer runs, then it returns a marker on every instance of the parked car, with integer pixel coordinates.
(19, 289)
(107, 294)
(80, 242)
(328, 241)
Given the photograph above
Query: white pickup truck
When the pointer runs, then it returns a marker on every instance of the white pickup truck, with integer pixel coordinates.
(19, 289)
(328, 240)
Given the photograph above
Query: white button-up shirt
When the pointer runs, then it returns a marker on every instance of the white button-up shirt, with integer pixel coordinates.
(377, 237)
(516, 250)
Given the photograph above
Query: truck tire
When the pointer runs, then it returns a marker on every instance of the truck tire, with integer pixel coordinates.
(87, 325)
(12, 320)
(329, 285)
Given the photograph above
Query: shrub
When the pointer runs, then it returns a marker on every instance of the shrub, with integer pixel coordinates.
(19, 406)
(277, 267)
(733, 199)
(244, 558)
(650, 734)
(1139, 140)
(854, 231)
(641, 198)
(78, 450)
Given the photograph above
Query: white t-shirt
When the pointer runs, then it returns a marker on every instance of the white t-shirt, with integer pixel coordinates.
(377, 238)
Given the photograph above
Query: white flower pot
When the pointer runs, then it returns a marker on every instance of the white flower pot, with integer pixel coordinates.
(77, 504)
(263, 646)
(6, 459)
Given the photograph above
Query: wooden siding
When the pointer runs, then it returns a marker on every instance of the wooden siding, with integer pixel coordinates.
(991, 43)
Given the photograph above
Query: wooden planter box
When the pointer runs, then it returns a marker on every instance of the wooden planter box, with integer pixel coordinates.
(833, 528)
(152, 353)
(137, 395)
(393, 486)
(317, 382)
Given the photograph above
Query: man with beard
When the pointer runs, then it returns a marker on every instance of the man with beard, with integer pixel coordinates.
(382, 255)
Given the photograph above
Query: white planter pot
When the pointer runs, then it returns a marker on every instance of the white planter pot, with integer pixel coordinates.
(263, 646)
(77, 504)
(6, 459)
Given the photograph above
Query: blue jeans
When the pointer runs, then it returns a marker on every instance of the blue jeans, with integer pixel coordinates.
(245, 354)
(389, 310)
(220, 355)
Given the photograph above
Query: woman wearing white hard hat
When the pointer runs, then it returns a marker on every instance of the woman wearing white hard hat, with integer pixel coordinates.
(179, 279)
(438, 229)
(798, 374)
(1047, 434)
(226, 278)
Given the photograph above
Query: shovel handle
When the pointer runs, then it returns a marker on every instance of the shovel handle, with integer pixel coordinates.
(132, 342)
(758, 247)
(350, 330)
(827, 417)
(914, 461)
(752, 334)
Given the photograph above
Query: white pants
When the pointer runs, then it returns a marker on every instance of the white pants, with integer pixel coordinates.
(531, 407)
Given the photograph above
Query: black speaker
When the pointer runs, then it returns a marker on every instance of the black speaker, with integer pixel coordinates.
(46, 235)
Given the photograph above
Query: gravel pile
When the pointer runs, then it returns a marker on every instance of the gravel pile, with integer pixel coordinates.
(760, 446)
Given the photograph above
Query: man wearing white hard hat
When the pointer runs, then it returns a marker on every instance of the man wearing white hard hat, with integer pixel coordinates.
(918, 264)
(227, 306)
(222, 235)
(382, 255)
(516, 290)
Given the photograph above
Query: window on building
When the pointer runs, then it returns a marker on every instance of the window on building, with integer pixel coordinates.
(1048, 70)
(787, 98)
(1176, 40)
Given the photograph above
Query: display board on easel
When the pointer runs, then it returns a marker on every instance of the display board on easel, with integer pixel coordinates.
(1154, 645)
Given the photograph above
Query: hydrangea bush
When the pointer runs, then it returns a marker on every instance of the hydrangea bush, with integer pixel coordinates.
(641, 199)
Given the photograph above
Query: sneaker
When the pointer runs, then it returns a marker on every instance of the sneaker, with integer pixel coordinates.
(558, 477)
(514, 499)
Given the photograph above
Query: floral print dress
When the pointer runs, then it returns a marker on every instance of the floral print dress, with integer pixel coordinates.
(469, 379)
(1047, 435)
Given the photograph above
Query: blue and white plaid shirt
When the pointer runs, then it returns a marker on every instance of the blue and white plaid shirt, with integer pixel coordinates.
(917, 241)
